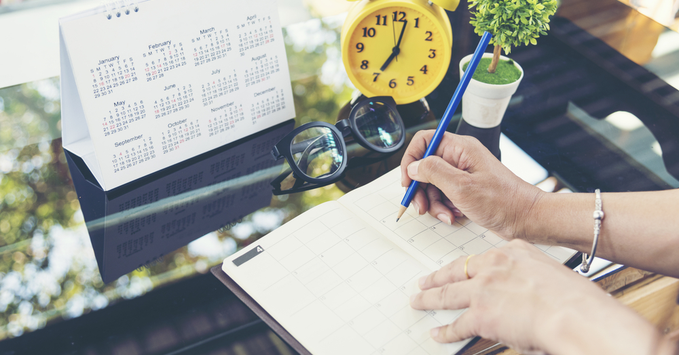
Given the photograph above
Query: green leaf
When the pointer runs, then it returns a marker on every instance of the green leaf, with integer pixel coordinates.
(512, 22)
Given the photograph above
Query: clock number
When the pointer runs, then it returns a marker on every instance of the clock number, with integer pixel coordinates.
(426, 39)
(417, 22)
(383, 22)
(360, 47)
(376, 76)
(433, 53)
(364, 65)
(369, 32)
(411, 81)
(424, 69)
(392, 83)
(402, 14)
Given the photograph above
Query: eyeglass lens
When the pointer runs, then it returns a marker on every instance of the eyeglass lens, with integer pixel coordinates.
(378, 124)
(316, 152)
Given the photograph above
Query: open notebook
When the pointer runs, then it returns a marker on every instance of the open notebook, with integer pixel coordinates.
(338, 278)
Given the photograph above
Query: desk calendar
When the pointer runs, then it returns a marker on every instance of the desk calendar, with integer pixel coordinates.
(147, 84)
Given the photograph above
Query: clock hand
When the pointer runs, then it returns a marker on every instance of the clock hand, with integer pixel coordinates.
(396, 50)
(394, 53)
(393, 31)
(400, 37)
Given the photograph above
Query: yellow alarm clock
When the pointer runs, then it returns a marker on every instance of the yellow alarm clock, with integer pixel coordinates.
(397, 48)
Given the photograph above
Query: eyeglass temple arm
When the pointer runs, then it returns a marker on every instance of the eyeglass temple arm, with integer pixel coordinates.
(344, 127)
(276, 154)
(276, 183)
(298, 182)
(294, 148)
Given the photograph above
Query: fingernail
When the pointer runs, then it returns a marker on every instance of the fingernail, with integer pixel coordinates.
(445, 219)
(412, 298)
(434, 332)
(412, 169)
(416, 206)
(457, 212)
(421, 281)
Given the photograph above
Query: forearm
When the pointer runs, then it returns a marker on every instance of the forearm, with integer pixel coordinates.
(640, 229)
(603, 327)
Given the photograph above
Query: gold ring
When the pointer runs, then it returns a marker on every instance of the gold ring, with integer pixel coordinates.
(466, 273)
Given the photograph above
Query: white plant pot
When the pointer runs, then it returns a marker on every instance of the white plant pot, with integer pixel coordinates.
(484, 105)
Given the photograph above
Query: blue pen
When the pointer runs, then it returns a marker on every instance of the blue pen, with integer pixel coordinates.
(447, 116)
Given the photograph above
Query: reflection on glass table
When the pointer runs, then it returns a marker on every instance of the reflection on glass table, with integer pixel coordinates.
(138, 224)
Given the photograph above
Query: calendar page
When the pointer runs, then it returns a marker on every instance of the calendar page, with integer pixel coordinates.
(153, 83)
(339, 276)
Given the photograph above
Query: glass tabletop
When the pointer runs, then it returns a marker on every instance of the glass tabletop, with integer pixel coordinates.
(84, 271)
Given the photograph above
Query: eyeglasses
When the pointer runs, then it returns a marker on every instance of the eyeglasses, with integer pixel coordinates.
(317, 152)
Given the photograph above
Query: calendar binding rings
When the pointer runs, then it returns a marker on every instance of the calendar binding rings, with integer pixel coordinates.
(119, 7)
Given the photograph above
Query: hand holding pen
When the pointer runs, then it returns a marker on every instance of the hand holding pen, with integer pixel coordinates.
(447, 116)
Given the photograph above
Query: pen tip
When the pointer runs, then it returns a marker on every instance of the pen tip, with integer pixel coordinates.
(397, 219)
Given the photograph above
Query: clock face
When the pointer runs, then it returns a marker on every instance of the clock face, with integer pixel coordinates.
(397, 51)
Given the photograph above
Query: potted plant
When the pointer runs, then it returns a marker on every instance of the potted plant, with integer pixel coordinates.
(512, 23)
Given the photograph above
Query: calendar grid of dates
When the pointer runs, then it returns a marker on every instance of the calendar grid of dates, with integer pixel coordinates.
(256, 32)
(180, 99)
(218, 88)
(112, 73)
(262, 70)
(135, 154)
(134, 245)
(121, 116)
(178, 134)
(227, 120)
(167, 56)
(267, 106)
(211, 45)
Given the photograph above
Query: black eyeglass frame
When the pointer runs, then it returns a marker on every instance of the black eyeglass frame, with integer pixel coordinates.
(341, 130)
(283, 149)
(348, 126)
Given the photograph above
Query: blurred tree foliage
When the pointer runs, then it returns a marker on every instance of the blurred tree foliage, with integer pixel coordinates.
(47, 267)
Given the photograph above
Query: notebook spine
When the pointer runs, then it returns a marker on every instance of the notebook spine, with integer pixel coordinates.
(119, 8)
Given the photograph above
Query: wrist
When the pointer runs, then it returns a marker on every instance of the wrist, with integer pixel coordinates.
(530, 225)
(598, 324)
(561, 219)
(667, 346)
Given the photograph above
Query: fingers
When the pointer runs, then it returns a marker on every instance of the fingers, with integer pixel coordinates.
(462, 328)
(438, 172)
(414, 152)
(437, 207)
(448, 296)
(452, 272)
(420, 202)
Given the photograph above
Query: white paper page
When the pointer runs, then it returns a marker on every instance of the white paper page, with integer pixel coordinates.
(429, 240)
(173, 79)
(339, 287)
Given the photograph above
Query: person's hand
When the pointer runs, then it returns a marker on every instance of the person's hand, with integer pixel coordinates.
(517, 295)
(464, 178)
